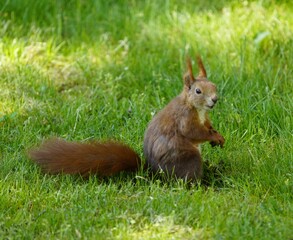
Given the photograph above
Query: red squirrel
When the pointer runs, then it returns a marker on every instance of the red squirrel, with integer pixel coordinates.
(171, 141)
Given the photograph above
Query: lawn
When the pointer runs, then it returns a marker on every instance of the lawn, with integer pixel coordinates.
(84, 70)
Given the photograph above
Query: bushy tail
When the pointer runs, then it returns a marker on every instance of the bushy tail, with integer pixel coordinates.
(105, 159)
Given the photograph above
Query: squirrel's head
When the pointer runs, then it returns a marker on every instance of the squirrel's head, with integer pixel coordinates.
(199, 92)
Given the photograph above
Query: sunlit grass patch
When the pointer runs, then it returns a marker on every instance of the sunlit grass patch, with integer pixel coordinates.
(160, 228)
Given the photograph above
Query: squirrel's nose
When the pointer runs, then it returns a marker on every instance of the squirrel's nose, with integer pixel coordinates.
(215, 99)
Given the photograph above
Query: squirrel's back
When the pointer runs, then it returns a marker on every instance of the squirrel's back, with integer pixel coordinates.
(105, 159)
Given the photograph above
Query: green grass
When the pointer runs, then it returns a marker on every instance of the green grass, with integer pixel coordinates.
(85, 70)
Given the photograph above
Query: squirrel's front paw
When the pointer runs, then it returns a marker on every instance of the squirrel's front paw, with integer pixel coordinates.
(218, 140)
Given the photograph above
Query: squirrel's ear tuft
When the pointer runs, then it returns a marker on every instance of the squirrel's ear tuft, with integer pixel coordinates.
(188, 76)
(202, 71)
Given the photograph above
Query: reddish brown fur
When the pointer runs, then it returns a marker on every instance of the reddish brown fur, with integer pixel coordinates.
(202, 70)
(105, 159)
(189, 70)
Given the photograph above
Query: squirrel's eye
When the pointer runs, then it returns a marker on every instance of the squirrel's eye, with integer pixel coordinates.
(198, 91)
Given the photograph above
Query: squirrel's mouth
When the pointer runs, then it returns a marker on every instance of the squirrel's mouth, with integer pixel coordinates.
(210, 106)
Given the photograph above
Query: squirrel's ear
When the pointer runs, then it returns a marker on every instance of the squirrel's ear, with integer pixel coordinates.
(188, 76)
(202, 71)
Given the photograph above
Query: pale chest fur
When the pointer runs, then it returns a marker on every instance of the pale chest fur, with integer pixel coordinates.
(198, 147)
(202, 119)
(201, 116)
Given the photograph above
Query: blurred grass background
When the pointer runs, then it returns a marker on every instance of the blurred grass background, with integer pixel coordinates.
(86, 70)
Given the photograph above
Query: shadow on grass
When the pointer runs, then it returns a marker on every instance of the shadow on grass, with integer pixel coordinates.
(213, 175)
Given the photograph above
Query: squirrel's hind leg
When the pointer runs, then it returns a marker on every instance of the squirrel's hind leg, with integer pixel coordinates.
(186, 165)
